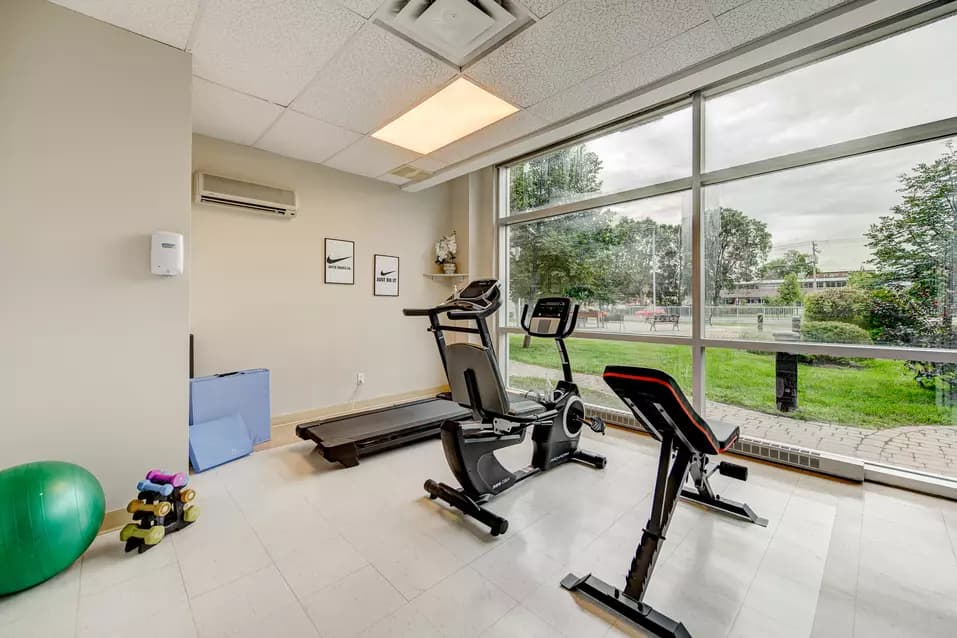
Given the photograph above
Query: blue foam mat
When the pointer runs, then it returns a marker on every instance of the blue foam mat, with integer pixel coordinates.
(218, 441)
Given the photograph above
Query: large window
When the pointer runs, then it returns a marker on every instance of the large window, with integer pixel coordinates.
(823, 310)
(628, 265)
(652, 151)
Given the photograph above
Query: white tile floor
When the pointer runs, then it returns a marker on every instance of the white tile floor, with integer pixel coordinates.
(289, 546)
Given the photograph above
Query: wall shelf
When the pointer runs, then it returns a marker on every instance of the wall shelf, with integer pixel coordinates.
(441, 276)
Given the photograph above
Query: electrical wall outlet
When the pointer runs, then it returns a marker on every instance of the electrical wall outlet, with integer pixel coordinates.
(360, 378)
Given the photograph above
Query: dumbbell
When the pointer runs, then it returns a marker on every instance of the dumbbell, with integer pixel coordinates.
(159, 509)
(176, 480)
(150, 536)
(187, 495)
(150, 486)
(190, 514)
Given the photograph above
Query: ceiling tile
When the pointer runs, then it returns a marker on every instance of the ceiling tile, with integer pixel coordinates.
(691, 47)
(371, 158)
(578, 40)
(363, 7)
(428, 164)
(168, 21)
(228, 115)
(376, 77)
(760, 17)
(542, 8)
(300, 136)
(721, 6)
(393, 179)
(269, 49)
(507, 130)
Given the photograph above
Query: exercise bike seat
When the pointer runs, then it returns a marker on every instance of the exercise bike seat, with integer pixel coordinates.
(657, 401)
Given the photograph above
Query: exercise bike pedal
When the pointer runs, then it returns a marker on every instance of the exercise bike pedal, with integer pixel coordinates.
(597, 424)
(733, 470)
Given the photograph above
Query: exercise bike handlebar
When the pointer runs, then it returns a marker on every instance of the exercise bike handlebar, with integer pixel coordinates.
(566, 330)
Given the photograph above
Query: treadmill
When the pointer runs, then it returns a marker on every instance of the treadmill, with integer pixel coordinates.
(346, 439)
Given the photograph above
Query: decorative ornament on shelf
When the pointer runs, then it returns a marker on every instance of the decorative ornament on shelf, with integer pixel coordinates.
(445, 251)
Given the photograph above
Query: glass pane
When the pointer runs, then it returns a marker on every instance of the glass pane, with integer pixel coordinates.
(537, 367)
(894, 83)
(649, 153)
(856, 251)
(869, 409)
(627, 265)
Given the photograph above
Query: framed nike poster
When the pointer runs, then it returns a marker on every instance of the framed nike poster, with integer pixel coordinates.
(340, 261)
(385, 272)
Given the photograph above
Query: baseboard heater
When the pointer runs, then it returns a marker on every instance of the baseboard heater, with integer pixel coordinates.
(802, 458)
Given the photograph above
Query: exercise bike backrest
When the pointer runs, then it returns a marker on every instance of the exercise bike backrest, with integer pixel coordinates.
(552, 318)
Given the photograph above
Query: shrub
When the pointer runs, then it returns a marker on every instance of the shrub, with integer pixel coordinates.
(833, 332)
(847, 305)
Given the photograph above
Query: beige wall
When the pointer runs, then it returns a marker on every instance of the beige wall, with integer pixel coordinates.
(258, 299)
(94, 156)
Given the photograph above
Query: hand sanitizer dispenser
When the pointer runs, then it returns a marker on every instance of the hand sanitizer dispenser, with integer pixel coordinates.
(166, 254)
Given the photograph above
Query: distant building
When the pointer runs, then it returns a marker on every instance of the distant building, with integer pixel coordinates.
(757, 292)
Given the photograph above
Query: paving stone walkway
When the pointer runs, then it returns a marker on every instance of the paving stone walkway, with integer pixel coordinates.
(929, 448)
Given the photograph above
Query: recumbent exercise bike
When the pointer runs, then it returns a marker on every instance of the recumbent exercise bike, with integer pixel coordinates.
(499, 421)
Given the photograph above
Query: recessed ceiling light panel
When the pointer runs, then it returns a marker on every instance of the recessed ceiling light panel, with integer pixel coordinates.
(457, 110)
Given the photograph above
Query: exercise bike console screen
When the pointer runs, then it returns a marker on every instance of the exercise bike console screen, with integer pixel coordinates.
(549, 317)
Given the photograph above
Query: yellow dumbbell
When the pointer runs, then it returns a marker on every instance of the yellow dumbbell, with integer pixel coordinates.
(150, 536)
(187, 495)
(190, 514)
(159, 509)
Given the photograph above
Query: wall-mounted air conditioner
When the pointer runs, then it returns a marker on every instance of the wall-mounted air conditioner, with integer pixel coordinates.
(223, 191)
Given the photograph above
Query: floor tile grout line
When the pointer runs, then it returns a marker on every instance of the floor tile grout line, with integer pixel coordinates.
(747, 592)
(189, 600)
(272, 563)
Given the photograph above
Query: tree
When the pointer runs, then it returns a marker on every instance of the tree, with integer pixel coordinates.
(847, 305)
(734, 251)
(915, 258)
(792, 262)
(542, 253)
(552, 177)
(789, 292)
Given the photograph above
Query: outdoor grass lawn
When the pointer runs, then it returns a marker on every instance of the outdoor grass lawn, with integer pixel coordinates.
(877, 394)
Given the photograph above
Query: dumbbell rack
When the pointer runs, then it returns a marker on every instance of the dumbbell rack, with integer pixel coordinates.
(162, 506)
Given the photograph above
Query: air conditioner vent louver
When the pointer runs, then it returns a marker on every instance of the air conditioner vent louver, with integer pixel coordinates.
(458, 30)
(223, 191)
(803, 458)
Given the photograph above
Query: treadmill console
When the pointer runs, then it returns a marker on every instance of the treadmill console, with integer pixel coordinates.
(478, 289)
(552, 317)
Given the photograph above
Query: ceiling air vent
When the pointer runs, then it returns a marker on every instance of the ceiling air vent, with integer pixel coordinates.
(410, 172)
(460, 31)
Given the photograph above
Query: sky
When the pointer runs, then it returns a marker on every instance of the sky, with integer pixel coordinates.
(901, 81)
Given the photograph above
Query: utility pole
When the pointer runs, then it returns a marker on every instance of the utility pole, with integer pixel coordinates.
(654, 270)
(814, 263)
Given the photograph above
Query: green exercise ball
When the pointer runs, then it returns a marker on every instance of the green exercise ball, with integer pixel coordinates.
(50, 512)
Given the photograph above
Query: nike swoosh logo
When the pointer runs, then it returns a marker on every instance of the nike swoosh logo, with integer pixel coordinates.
(382, 273)
(330, 260)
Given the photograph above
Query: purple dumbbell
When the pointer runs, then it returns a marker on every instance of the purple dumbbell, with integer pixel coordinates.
(161, 476)
(150, 486)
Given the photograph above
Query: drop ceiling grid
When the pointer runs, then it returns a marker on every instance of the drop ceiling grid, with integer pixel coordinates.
(682, 51)
(578, 40)
(371, 157)
(306, 138)
(376, 77)
(229, 115)
(269, 49)
(168, 22)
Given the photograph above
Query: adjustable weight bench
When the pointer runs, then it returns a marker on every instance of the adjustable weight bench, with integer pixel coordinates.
(687, 442)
